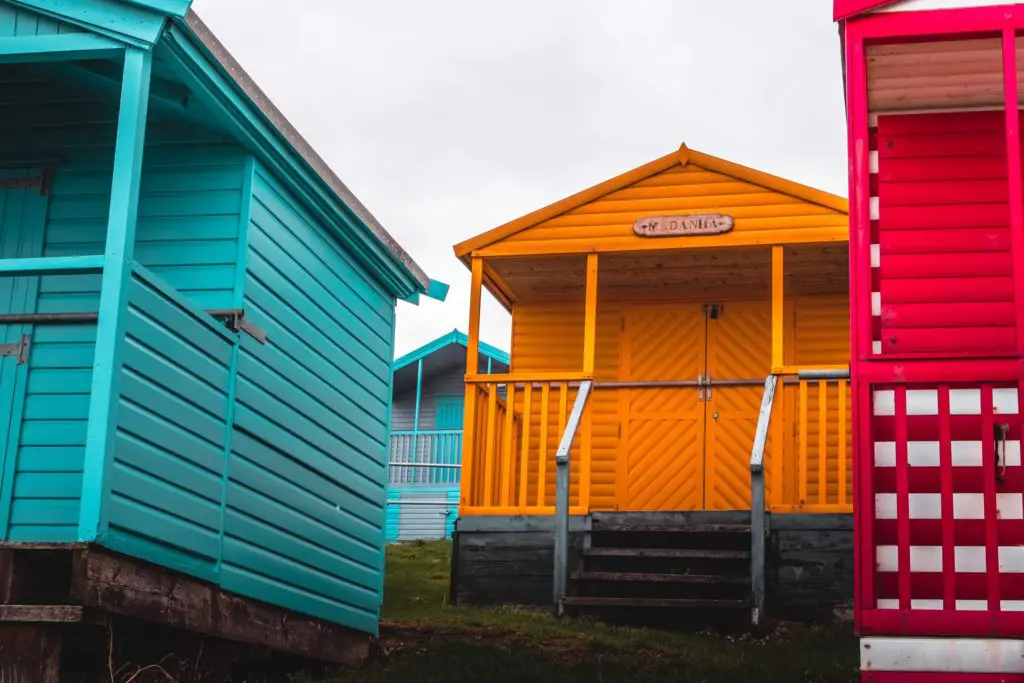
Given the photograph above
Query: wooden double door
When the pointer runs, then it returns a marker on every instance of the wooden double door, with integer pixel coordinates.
(694, 377)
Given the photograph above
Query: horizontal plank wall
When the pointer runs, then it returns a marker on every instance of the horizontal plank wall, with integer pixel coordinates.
(535, 324)
(500, 560)
(305, 517)
(419, 512)
(810, 564)
(606, 224)
(166, 482)
(187, 233)
(820, 331)
(403, 410)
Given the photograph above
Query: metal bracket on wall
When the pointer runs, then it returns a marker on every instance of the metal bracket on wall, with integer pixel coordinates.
(18, 349)
(237, 322)
(40, 183)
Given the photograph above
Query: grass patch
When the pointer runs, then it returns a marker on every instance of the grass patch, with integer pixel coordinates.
(423, 638)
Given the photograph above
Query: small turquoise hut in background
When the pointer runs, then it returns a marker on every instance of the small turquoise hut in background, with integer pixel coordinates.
(426, 436)
(197, 316)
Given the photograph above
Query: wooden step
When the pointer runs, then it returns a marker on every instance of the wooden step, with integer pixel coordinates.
(60, 614)
(692, 529)
(669, 603)
(679, 553)
(657, 578)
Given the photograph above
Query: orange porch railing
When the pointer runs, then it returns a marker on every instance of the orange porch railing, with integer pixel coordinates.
(514, 423)
(808, 461)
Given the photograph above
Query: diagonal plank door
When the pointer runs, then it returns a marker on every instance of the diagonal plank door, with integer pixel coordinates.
(663, 430)
(739, 348)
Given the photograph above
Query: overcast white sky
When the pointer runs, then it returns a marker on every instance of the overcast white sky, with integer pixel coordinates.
(449, 117)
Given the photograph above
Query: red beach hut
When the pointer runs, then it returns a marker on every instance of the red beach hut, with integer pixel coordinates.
(937, 319)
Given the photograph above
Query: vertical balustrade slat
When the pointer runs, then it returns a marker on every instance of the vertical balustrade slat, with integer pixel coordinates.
(988, 450)
(443, 446)
(542, 463)
(507, 480)
(946, 499)
(437, 456)
(902, 500)
(563, 411)
(777, 459)
(841, 428)
(586, 450)
(802, 476)
(822, 442)
(490, 431)
(563, 406)
(469, 452)
(524, 458)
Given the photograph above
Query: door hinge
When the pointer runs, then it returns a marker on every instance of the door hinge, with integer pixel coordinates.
(18, 349)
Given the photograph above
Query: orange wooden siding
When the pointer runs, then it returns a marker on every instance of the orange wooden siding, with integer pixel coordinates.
(657, 448)
(547, 336)
(669, 447)
(763, 216)
(817, 334)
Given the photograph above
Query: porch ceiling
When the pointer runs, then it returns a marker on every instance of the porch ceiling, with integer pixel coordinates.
(692, 274)
(946, 74)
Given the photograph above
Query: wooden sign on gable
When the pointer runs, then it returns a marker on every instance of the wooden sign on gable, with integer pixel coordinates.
(677, 226)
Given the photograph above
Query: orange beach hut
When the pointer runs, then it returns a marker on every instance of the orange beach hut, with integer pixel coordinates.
(674, 290)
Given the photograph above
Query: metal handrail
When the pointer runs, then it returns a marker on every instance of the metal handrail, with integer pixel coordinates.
(758, 515)
(813, 375)
(561, 564)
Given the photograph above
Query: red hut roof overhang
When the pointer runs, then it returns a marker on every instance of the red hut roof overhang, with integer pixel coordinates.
(844, 9)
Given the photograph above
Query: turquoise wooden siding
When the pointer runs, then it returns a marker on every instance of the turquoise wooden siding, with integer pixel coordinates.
(167, 479)
(188, 234)
(19, 22)
(449, 411)
(304, 524)
(260, 467)
(417, 512)
(42, 496)
(391, 517)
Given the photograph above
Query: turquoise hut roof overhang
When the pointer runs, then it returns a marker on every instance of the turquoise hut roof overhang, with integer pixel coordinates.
(324, 173)
(233, 101)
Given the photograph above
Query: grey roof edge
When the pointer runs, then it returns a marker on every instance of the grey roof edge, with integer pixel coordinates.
(299, 143)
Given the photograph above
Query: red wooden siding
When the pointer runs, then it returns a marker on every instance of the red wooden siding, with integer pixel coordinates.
(947, 520)
(942, 280)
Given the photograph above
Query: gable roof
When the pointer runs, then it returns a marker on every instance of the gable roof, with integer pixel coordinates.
(453, 337)
(682, 157)
(223, 86)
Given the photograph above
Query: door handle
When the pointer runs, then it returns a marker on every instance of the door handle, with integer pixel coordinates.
(700, 388)
(1001, 432)
(707, 394)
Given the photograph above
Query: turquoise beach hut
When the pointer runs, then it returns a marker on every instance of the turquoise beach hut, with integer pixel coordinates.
(196, 317)
(426, 436)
